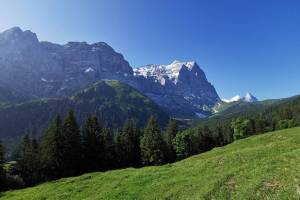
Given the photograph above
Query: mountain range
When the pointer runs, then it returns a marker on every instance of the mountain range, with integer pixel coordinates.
(40, 79)
(32, 69)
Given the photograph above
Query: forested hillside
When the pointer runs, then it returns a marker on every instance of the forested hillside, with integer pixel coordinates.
(111, 101)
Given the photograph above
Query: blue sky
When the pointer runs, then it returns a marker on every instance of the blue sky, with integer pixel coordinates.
(242, 45)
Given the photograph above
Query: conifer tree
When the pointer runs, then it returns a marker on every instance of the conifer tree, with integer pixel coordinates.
(91, 144)
(152, 144)
(51, 150)
(171, 131)
(72, 154)
(107, 149)
(128, 145)
(28, 160)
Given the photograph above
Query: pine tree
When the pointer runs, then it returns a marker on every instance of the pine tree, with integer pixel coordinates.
(51, 150)
(153, 146)
(28, 160)
(107, 149)
(72, 154)
(219, 136)
(171, 131)
(128, 145)
(91, 148)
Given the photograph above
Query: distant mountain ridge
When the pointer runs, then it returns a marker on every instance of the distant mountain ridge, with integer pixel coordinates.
(33, 69)
(247, 98)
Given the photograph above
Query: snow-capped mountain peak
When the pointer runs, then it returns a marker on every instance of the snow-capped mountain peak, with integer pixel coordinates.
(247, 98)
(233, 99)
(170, 71)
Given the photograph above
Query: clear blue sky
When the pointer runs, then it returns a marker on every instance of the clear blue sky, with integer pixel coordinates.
(242, 45)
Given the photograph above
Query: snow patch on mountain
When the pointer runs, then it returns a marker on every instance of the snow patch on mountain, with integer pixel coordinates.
(163, 72)
(247, 98)
(89, 70)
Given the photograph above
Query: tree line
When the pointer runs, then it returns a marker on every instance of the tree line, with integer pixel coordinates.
(214, 133)
(66, 149)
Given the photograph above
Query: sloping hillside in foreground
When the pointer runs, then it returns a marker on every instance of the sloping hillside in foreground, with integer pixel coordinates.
(260, 167)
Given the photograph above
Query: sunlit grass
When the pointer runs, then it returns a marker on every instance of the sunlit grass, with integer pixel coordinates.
(260, 167)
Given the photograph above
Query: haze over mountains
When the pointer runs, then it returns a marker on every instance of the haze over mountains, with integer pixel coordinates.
(31, 69)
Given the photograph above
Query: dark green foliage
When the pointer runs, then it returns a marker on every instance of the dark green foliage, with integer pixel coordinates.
(91, 145)
(128, 145)
(28, 164)
(72, 154)
(195, 141)
(51, 150)
(239, 127)
(183, 144)
(63, 151)
(108, 149)
(286, 123)
(153, 146)
(171, 132)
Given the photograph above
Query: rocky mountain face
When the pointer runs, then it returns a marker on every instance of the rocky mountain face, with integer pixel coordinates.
(180, 87)
(32, 69)
(42, 69)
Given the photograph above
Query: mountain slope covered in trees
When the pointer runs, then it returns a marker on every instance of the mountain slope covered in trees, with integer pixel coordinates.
(112, 102)
(230, 111)
(259, 167)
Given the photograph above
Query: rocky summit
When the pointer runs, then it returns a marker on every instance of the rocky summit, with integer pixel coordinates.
(43, 69)
(180, 87)
(32, 69)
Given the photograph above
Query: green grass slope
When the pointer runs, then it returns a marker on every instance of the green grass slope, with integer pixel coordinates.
(260, 167)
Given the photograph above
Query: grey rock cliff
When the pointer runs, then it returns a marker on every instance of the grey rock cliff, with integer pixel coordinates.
(34, 69)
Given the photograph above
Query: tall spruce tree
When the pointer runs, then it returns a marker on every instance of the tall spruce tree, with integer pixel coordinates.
(72, 154)
(28, 165)
(92, 155)
(107, 149)
(128, 145)
(171, 132)
(153, 146)
(51, 150)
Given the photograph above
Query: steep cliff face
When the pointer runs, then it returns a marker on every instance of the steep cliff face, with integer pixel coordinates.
(32, 69)
(42, 69)
(180, 87)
